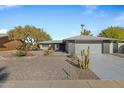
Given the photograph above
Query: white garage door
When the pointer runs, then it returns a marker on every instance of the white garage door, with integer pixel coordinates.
(94, 48)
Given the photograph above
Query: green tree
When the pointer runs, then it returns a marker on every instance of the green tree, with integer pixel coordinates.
(28, 35)
(85, 31)
(113, 32)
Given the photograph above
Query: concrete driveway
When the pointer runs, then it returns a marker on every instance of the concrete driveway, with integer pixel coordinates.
(107, 67)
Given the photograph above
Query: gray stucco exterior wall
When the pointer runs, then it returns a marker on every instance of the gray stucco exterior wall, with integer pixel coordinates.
(111, 47)
(70, 46)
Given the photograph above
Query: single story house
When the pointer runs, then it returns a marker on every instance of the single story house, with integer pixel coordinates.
(98, 45)
(6, 44)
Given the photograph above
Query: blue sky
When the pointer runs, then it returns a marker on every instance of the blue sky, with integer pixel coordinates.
(61, 21)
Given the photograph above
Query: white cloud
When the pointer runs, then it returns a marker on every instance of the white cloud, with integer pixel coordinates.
(94, 10)
(89, 9)
(7, 6)
(3, 31)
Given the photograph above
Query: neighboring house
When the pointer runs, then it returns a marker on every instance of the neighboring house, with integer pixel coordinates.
(6, 44)
(98, 45)
(57, 45)
(121, 46)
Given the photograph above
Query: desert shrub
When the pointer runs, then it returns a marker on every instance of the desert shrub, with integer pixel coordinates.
(46, 52)
(50, 48)
(73, 56)
(49, 51)
(21, 53)
(75, 59)
(22, 50)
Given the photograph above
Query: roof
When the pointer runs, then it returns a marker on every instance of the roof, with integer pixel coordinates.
(87, 38)
(122, 40)
(51, 42)
(3, 35)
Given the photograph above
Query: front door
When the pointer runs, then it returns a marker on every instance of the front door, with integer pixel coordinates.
(106, 48)
(62, 47)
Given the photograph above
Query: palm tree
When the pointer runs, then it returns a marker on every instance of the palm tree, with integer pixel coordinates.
(85, 31)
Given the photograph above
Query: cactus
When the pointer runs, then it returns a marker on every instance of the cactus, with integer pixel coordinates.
(88, 56)
(85, 59)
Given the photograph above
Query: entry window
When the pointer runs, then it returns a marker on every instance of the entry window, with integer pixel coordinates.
(45, 45)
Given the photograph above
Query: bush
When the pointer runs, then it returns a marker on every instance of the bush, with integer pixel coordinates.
(73, 56)
(75, 59)
(21, 53)
(48, 51)
(50, 48)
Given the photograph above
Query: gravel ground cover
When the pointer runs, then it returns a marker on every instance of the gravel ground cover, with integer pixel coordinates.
(39, 67)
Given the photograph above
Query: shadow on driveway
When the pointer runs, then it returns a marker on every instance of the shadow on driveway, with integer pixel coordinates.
(3, 75)
(67, 74)
(72, 63)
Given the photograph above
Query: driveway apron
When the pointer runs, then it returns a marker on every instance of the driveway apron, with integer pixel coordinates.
(107, 67)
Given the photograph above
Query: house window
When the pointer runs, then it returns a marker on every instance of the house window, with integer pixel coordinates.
(45, 45)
